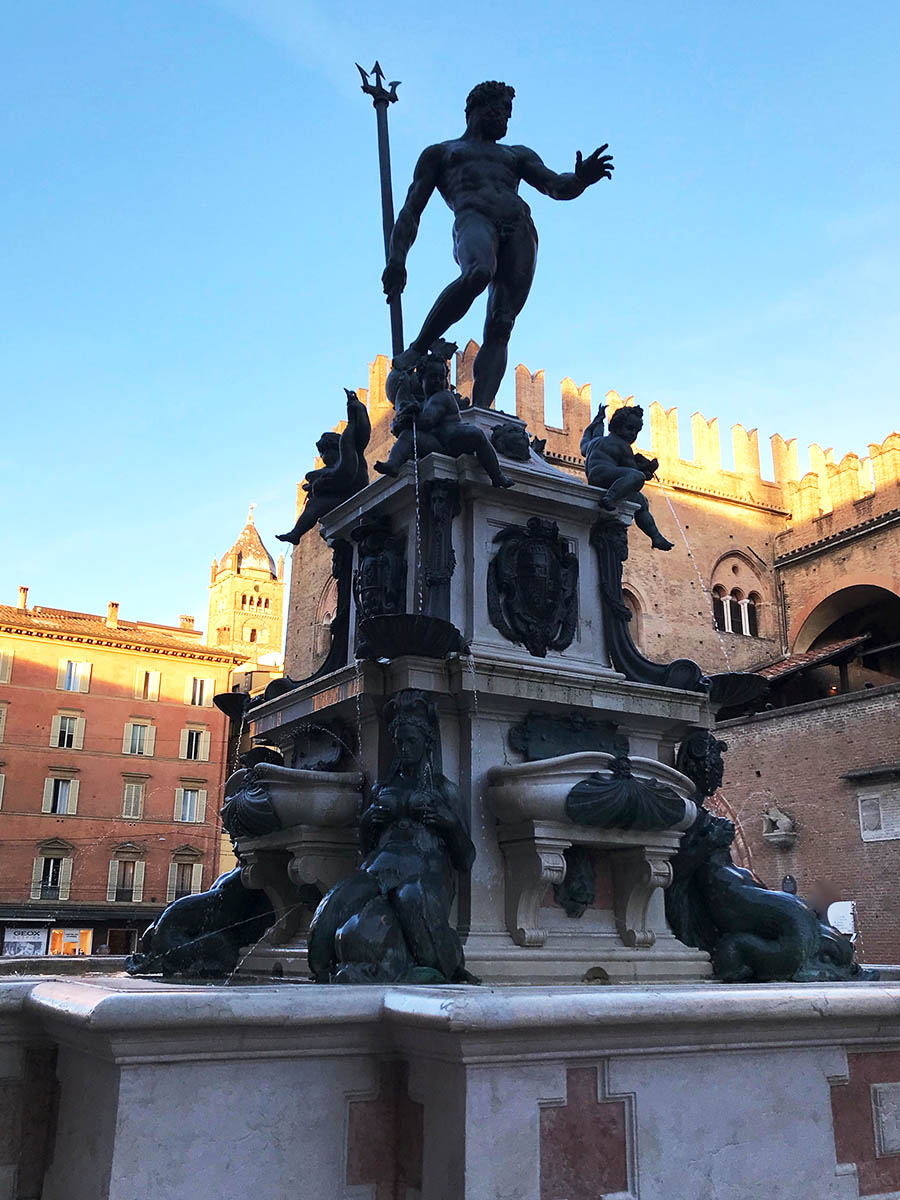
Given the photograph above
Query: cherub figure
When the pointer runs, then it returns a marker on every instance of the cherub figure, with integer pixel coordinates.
(610, 462)
(344, 473)
(438, 425)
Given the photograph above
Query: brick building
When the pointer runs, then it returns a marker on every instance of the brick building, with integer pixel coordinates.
(112, 758)
(799, 576)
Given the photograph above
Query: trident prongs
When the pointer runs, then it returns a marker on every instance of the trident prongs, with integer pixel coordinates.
(377, 90)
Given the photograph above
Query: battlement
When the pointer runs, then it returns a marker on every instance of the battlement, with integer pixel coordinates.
(836, 495)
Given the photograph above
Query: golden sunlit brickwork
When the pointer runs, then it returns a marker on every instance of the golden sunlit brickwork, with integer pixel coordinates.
(112, 761)
(729, 526)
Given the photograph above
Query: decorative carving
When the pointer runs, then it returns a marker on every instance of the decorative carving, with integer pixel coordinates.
(344, 474)
(379, 581)
(614, 799)
(638, 873)
(539, 445)
(532, 587)
(532, 865)
(609, 537)
(320, 746)
(266, 870)
(578, 889)
(778, 828)
(511, 441)
(247, 811)
(441, 506)
(390, 921)
(541, 735)
(700, 758)
(202, 935)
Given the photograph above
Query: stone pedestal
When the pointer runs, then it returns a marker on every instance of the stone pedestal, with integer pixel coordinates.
(434, 1093)
(459, 560)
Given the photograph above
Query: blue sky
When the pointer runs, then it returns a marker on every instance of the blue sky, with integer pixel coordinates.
(192, 245)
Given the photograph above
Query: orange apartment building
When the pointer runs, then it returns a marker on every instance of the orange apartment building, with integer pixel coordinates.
(112, 759)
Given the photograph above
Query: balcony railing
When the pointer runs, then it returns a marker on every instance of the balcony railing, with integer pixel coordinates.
(49, 891)
(125, 894)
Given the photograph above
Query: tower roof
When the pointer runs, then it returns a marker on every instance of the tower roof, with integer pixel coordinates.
(249, 546)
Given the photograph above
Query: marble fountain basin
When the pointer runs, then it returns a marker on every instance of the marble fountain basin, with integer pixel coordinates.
(301, 797)
(537, 791)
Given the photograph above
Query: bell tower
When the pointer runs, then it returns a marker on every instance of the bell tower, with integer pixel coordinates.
(246, 599)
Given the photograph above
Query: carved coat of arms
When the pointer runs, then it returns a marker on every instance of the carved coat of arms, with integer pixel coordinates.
(532, 587)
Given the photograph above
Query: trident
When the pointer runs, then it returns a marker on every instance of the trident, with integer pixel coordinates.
(381, 97)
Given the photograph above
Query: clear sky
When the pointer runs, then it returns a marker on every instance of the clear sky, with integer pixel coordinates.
(192, 243)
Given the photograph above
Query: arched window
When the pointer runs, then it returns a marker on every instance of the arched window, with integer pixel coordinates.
(252, 635)
(266, 606)
(720, 612)
(751, 611)
(736, 611)
(634, 607)
(244, 601)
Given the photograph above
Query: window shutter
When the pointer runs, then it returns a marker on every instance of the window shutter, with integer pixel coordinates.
(61, 674)
(126, 738)
(182, 744)
(201, 805)
(78, 742)
(138, 894)
(149, 739)
(73, 797)
(36, 873)
(54, 731)
(3, 708)
(196, 877)
(170, 885)
(188, 689)
(65, 878)
(179, 796)
(209, 687)
(153, 690)
(2, 786)
(111, 881)
(47, 802)
(84, 677)
(204, 746)
(6, 662)
(139, 683)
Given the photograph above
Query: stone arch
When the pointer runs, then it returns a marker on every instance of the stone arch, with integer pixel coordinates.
(740, 595)
(636, 607)
(847, 612)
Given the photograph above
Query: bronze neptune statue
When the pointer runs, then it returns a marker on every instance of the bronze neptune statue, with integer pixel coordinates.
(494, 238)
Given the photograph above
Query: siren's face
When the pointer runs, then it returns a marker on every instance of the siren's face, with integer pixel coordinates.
(410, 744)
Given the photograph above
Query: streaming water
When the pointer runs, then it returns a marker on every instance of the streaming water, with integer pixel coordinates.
(420, 581)
(706, 592)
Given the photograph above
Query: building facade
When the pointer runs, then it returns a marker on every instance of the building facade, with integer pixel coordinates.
(112, 759)
(796, 575)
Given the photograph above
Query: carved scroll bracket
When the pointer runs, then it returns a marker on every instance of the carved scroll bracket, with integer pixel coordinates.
(268, 871)
(532, 865)
(638, 873)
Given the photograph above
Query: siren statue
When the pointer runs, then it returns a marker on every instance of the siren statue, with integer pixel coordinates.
(494, 238)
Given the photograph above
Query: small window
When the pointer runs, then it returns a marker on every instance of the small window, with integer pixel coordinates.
(147, 685)
(50, 877)
(252, 635)
(59, 802)
(126, 881)
(60, 796)
(66, 735)
(6, 665)
(751, 611)
(183, 873)
(133, 801)
(190, 804)
(266, 605)
(3, 708)
(720, 611)
(73, 676)
(200, 692)
(244, 601)
(139, 739)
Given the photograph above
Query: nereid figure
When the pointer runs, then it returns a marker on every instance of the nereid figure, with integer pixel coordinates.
(389, 922)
